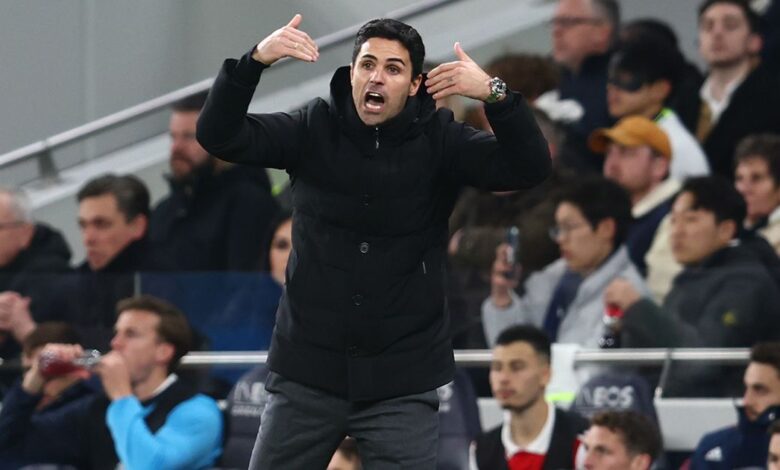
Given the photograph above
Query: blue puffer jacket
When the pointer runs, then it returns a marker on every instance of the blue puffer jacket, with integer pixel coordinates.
(743, 446)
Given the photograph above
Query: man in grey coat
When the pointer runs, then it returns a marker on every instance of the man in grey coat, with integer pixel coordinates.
(566, 297)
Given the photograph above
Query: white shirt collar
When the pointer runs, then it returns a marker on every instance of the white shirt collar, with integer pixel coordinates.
(717, 107)
(164, 385)
(539, 445)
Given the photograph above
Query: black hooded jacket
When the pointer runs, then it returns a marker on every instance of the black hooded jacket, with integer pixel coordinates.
(363, 315)
(214, 220)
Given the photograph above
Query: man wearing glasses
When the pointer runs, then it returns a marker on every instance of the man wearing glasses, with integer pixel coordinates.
(30, 255)
(566, 298)
(583, 33)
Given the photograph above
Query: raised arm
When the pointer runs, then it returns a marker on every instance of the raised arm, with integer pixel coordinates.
(268, 140)
(515, 157)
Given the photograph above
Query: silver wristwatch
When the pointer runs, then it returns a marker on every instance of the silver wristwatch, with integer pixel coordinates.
(497, 90)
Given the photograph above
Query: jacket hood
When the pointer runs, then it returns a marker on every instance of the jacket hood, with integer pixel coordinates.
(419, 109)
(48, 252)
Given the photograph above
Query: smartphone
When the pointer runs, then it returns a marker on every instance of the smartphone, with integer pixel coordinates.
(512, 252)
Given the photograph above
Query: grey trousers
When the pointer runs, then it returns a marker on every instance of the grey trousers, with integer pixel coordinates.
(301, 428)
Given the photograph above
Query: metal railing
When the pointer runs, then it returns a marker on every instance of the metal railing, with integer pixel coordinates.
(481, 358)
(42, 150)
(478, 358)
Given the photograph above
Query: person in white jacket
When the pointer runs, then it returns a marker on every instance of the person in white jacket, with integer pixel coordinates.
(642, 75)
(566, 297)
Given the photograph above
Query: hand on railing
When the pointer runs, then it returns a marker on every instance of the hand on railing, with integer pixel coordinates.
(287, 41)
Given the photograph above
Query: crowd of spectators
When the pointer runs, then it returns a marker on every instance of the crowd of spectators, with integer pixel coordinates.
(663, 209)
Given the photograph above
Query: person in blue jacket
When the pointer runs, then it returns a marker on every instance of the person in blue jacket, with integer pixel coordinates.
(746, 444)
(146, 420)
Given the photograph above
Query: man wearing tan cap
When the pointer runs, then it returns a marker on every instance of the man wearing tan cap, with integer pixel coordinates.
(637, 156)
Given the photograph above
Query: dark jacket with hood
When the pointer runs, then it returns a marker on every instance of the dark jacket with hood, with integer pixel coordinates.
(728, 301)
(364, 302)
(742, 446)
(214, 220)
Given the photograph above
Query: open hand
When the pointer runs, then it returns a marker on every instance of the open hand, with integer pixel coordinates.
(462, 77)
(287, 41)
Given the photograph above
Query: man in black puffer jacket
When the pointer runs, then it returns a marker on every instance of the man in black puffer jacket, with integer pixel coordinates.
(361, 341)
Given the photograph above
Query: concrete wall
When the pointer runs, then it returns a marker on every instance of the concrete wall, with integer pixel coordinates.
(69, 62)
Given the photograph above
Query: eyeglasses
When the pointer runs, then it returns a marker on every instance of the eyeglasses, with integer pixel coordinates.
(12, 224)
(558, 231)
(281, 244)
(572, 21)
(631, 84)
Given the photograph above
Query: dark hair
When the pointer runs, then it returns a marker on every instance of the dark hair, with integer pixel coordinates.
(530, 334)
(599, 199)
(130, 193)
(395, 30)
(49, 332)
(754, 21)
(190, 104)
(529, 74)
(279, 219)
(173, 327)
(610, 11)
(765, 147)
(638, 432)
(647, 61)
(650, 28)
(349, 449)
(767, 353)
(718, 195)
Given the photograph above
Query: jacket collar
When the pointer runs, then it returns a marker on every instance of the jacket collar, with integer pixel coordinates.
(761, 423)
(658, 195)
(127, 260)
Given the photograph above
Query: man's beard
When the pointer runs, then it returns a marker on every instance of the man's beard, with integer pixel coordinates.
(523, 407)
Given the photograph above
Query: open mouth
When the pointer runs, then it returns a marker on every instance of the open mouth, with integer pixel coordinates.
(374, 101)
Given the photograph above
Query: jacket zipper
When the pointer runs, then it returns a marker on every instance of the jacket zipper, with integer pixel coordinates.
(376, 134)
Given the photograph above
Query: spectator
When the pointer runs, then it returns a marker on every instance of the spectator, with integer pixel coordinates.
(746, 444)
(535, 434)
(684, 99)
(479, 223)
(583, 35)
(773, 460)
(620, 440)
(113, 217)
(216, 213)
(565, 298)
(147, 417)
(637, 157)
(740, 96)
(757, 178)
(346, 456)
(642, 76)
(32, 255)
(279, 248)
(59, 392)
(724, 297)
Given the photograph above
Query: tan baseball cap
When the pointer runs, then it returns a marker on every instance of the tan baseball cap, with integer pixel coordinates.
(632, 131)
